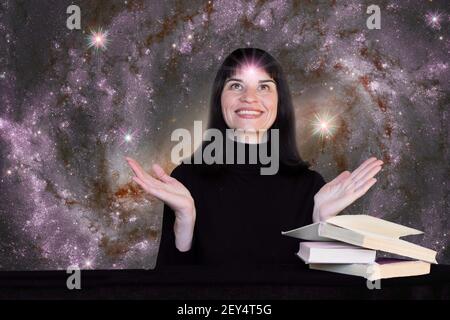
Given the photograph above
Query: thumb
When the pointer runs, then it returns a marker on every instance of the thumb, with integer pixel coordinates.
(160, 173)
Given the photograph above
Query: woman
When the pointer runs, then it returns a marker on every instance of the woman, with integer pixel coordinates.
(222, 214)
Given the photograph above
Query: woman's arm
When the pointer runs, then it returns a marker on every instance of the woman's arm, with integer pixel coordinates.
(183, 229)
(168, 254)
(175, 195)
(316, 213)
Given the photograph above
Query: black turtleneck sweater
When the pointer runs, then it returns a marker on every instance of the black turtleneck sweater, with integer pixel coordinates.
(240, 215)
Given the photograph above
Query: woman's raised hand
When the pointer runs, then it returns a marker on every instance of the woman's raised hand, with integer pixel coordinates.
(342, 191)
(164, 187)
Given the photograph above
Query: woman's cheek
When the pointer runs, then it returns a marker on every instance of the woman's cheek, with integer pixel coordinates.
(272, 108)
(270, 104)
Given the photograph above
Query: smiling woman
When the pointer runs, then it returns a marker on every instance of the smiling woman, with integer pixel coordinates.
(222, 213)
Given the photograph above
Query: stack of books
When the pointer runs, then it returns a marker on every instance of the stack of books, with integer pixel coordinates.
(348, 244)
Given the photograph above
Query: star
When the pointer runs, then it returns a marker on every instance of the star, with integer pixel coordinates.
(127, 136)
(433, 20)
(98, 39)
(324, 125)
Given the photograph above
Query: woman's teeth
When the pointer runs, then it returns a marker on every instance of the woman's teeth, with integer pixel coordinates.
(249, 112)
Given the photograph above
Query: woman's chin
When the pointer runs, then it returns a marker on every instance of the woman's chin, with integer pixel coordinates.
(248, 124)
(248, 128)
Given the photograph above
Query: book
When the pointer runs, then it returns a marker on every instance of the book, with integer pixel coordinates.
(381, 269)
(334, 252)
(367, 232)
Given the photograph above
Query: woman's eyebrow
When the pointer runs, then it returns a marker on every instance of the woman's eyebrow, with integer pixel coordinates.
(239, 80)
(233, 79)
(268, 80)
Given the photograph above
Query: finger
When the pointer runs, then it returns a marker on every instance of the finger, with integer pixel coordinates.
(365, 187)
(350, 182)
(368, 175)
(372, 167)
(161, 174)
(141, 174)
(142, 184)
(153, 190)
(363, 165)
(362, 178)
(344, 175)
(169, 198)
(135, 166)
(368, 172)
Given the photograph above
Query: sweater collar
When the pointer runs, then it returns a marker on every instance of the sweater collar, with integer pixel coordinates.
(249, 165)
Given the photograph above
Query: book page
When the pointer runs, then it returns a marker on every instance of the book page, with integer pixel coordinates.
(372, 225)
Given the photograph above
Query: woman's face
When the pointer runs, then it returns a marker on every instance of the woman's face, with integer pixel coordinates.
(249, 99)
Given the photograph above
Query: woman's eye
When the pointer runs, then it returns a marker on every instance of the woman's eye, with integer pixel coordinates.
(236, 86)
(264, 87)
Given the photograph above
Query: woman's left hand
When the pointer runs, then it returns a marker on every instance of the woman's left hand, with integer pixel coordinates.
(342, 191)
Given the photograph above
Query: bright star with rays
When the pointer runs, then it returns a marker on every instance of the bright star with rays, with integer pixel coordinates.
(324, 125)
(433, 19)
(250, 68)
(98, 39)
(88, 264)
(252, 64)
(127, 137)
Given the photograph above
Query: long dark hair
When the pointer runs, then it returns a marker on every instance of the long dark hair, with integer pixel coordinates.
(285, 120)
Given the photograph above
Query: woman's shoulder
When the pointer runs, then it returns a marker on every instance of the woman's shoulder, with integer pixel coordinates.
(309, 178)
(301, 172)
(316, 180)
(187, 172)
(314, 175)
(191, 176)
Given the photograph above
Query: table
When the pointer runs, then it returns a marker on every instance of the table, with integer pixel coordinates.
(284, 282)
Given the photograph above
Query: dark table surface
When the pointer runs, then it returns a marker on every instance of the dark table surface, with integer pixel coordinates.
(194, 282)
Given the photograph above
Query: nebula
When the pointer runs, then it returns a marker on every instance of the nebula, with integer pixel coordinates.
(74, 103)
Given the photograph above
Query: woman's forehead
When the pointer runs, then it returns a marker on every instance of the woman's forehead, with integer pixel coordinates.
(250, 72)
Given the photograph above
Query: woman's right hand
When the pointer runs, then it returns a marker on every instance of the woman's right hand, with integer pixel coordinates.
(174, 194)
(164, 187)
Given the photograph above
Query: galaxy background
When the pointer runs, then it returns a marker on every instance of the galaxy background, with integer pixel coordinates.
(72, 109)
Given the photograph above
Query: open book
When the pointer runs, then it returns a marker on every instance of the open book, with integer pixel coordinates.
(382, 269)
(367, 232)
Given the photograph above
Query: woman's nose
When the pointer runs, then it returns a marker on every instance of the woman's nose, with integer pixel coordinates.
(249, 96)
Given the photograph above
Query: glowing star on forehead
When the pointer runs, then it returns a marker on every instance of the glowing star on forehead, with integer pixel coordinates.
(250, 66)
(249, 69)
(98, 39)
(324, 125)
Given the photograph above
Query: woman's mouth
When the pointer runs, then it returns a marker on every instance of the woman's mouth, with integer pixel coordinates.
(249, 113)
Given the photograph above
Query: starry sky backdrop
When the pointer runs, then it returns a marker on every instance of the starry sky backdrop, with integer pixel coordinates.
(75, 102)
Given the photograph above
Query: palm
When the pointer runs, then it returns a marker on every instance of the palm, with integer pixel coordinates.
(342, 191)
(164, 187)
